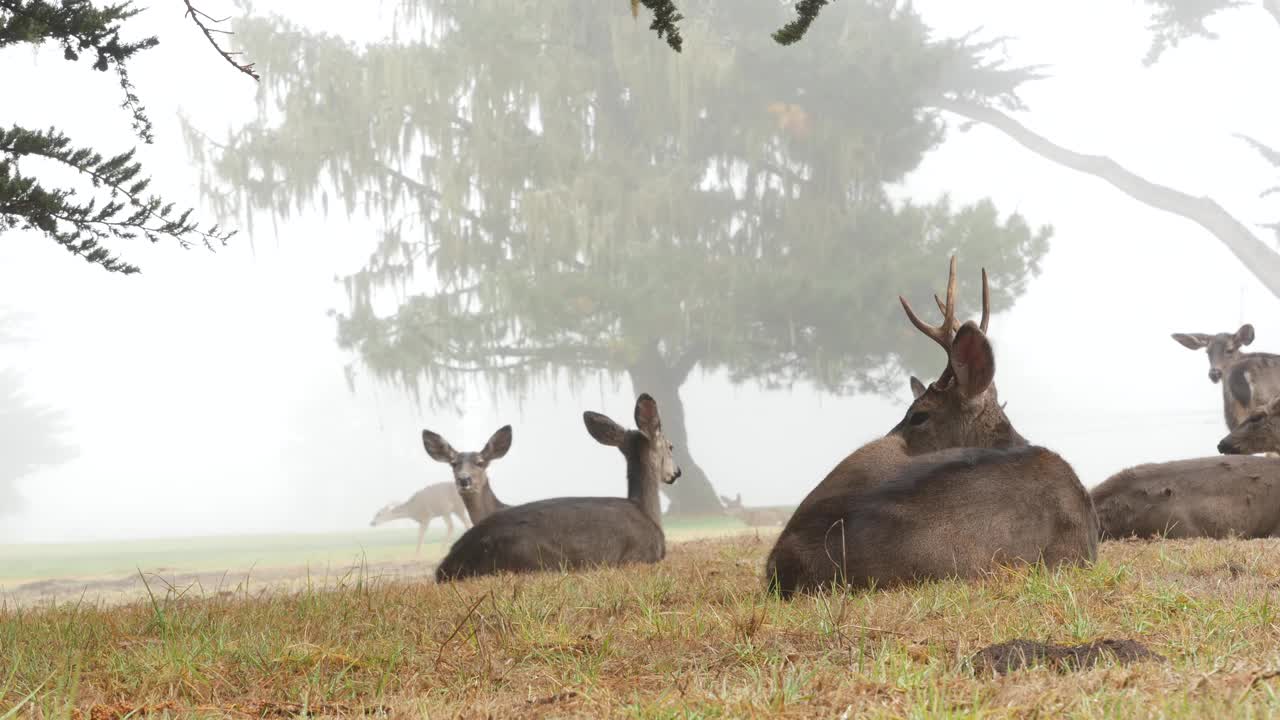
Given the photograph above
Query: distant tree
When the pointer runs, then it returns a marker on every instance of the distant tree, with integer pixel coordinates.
(559, 196)
(31, 435)
(120, 206)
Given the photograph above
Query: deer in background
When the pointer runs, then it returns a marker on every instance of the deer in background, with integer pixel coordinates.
(471, 470)
(1259, 433)
(755, 517)
(1249, 380)
(433, 501)
(1213, 497)
(952, 490)
(579, 532)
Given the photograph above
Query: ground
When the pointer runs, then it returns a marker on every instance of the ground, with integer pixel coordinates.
(693, 636)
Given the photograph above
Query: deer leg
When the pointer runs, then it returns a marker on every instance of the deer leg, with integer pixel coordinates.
(448, 525)
(422, 530)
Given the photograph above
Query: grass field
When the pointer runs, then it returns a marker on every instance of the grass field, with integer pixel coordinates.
(28, 562)
(693, 636)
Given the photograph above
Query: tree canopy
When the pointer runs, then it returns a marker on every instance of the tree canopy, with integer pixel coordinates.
(120, 206)
(560, 196)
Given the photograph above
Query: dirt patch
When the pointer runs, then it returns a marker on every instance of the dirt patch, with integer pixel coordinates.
(1014, 655)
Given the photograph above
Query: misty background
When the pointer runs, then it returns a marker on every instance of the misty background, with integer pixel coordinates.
(207, 395)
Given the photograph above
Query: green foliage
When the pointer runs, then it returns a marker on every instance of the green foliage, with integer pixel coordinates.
(83, 227)
(79, 26)
(806, 12)
(606, 234)
(126, 213)
(665, 17)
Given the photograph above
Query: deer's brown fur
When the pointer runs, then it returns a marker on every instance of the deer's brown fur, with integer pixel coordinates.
(951, 490)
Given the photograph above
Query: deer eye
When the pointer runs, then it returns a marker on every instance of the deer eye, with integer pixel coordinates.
(919, 418)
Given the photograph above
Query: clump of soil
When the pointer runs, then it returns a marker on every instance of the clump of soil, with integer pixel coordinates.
(1014, 655)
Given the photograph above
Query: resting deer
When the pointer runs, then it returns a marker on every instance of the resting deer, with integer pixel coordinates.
(579, 532)
(471, 470)
(1213, 497)
(433, 501)
(755, 517)
(952, 490)
(1259, 433)
(1249, 380)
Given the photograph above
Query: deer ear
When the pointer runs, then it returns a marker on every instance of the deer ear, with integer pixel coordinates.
(1244, 336)
(604, 430)
(972, 360)
(647, 415)
(1191, 341)
(438, 448)
(917, 387)
(498, 445)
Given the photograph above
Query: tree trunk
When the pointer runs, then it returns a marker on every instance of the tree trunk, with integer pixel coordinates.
(1256, 255)
(692, 494)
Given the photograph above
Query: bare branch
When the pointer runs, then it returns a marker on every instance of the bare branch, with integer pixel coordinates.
(1260, 259)
(196, 15)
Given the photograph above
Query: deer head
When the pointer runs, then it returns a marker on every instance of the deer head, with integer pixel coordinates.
(1223, 348)
(470, 469)
(1259, 433)
(960, 408)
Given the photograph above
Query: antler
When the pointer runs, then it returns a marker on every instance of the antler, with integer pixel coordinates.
(986, 307)
(945, 333)
(942, 334)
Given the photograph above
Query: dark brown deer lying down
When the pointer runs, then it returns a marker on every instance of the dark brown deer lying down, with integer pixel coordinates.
(1213, 497)
(471, 470)
(952, 490)
(581, 532)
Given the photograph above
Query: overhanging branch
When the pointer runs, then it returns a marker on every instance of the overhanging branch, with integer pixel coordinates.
(1260, 259)
(1273, 8)
(196, 15)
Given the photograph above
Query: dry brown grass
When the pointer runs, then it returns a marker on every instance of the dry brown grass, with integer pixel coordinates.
(691, 637)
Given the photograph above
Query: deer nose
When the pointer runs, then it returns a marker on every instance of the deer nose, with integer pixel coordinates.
(1215, 375)
(676, 476)
(465, 482)
(1226, 448)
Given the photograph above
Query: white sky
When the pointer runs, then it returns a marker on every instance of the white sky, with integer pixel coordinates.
(206, 396)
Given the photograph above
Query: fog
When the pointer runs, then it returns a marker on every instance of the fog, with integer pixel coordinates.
(207, 395)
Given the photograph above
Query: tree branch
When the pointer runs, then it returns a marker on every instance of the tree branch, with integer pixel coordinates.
(1260, 259)
(1273, 8)
(195, 16)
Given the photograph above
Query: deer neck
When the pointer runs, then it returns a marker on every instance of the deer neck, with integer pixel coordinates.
(991, 428)
(642, 488)
(481, 505)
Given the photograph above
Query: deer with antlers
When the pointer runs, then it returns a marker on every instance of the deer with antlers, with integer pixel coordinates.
(953, 490)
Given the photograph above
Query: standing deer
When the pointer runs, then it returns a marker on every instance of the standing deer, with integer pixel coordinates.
(1249, 380)
(951, 490)
(433, 501)
(755, 517)
(579, 532)
(471, 470)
